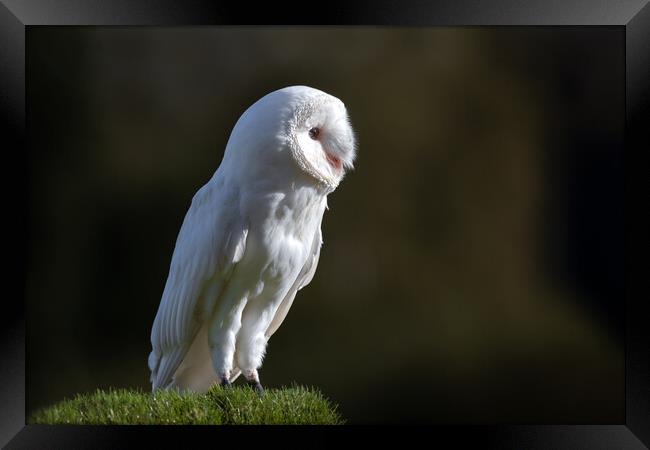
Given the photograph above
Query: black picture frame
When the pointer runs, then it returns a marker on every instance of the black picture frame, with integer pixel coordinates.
(17, 15)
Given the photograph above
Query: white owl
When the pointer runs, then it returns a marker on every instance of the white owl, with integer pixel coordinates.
(250, 240)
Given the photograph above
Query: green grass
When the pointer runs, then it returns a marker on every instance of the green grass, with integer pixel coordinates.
(229, 406)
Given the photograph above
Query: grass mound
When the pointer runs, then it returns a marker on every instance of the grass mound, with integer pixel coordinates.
(230, 406)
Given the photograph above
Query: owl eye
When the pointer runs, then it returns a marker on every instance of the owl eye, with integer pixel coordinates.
(314, 132)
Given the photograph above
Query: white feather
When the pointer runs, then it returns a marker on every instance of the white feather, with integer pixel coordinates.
(211, 241)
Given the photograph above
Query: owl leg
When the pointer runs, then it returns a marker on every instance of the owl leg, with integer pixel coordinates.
(253, 380)
(250, 351)
(251, 345)
(222, 333)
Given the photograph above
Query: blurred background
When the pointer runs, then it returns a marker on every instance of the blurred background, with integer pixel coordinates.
(472, 270)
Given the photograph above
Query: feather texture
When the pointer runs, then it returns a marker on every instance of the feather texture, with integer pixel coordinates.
(211, 241)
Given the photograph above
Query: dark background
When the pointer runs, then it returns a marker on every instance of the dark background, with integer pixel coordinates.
(472, 267)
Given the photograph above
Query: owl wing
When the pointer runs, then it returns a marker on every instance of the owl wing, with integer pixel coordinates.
(212, 240)
(304, 278)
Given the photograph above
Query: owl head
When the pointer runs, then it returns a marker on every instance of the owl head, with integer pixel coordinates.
(301, 127)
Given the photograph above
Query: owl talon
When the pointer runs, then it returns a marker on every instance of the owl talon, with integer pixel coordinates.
(257, 387)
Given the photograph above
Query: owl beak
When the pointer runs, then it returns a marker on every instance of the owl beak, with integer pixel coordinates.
(334, 161)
